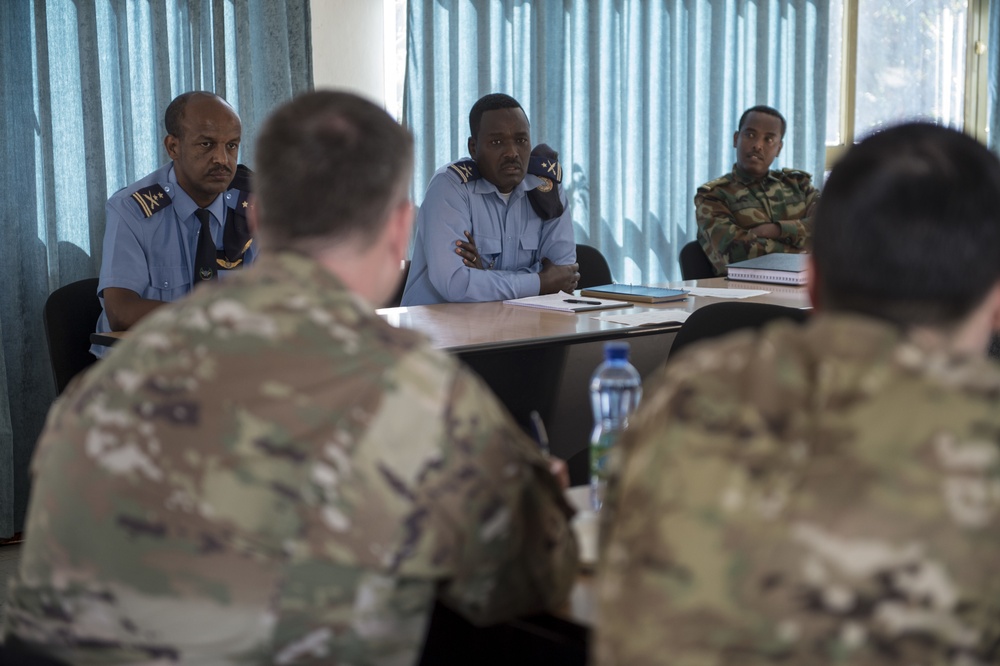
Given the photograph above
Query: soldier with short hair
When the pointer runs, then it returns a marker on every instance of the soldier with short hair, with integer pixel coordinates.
(830, 493)
(266, 472)
(494, 226)
(754, 210)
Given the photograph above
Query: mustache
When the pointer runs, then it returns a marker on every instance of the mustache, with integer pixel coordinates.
(220, 169)
(513, 162)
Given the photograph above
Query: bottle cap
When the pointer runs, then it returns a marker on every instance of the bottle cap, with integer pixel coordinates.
(616, 351)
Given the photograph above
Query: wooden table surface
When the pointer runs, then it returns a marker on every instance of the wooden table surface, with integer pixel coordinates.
(465, 327)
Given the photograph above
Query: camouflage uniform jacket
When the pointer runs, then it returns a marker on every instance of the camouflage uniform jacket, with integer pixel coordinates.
(728, 208)
(266, 472)
(820, 496)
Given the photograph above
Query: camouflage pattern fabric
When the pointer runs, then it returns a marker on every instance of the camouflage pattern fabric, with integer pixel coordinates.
(820, 496)
(727, 210)
(267, 473)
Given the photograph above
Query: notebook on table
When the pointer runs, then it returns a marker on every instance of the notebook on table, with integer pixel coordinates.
(564, 302)
(635, 292)
(779, 268)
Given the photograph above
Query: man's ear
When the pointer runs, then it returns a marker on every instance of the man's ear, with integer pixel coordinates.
(781, 144)
(400, 226)
(736, 138)
(472, 148)
(170, 143)
(812, 284)
(995, 295)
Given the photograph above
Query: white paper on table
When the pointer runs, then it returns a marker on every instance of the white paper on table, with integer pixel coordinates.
(726, 293)
(647, 318)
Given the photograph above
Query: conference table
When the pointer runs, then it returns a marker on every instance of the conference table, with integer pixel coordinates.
(466, 328)
(541, 360)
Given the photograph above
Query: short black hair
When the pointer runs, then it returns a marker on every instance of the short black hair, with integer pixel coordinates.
(908, 229)
(174, 115)
(491, 102)
(329, 165)
(761, 108)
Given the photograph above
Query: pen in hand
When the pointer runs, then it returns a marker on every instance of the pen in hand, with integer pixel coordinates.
(541, 435)
(582, 302)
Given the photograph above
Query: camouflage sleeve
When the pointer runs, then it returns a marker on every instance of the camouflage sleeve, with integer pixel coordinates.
(796, 225)
(723, 239)
(515, 552)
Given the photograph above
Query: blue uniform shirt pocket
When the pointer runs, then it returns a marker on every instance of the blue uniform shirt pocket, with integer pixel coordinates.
(490, 250)
(168, 283)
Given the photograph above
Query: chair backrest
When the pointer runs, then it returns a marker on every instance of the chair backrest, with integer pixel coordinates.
(70, 315)
(720, 318)
(594, 269)
(694, 264)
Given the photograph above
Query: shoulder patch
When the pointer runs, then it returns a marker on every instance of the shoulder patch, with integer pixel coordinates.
(796, 174)
(721, 180)
(547, 168)
(151, 200)
(466, 170)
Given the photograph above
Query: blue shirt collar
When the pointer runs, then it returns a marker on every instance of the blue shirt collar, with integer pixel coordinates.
(185, 206)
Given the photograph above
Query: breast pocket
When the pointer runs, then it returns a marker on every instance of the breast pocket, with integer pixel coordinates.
(528, 245)
(168, 283)
(490, 250)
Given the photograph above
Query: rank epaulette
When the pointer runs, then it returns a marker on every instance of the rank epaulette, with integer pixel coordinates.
(796, 173)
(151, 200)
(547, 168)
(544, 199)
(466, 170)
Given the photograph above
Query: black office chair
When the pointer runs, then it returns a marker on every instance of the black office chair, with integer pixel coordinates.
(15, 652)
(694, 264)
(718, 319)
(70, 315)
(542, 639)
(594, 269)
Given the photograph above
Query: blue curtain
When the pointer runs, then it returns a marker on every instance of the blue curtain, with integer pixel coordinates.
(85, 84)
(640, 97)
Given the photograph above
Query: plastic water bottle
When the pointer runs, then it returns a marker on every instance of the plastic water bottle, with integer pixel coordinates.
(615, 392)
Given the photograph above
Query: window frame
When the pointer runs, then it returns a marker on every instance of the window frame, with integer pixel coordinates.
(975, 121)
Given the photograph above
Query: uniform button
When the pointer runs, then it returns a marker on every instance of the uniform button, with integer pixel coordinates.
(166, 284)
(228, 195)
(166, 188)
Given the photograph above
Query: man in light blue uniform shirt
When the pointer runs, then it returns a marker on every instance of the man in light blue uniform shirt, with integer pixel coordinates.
(496, 226)
(153, 227)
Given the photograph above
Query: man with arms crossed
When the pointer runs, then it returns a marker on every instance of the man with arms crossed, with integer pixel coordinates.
(155, 250)
(496, 226)
(830, 493)
(753, 210)
(266, 472)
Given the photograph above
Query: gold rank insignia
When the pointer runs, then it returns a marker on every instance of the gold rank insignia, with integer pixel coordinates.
(151, 200)
(546, 168)
(466, 170)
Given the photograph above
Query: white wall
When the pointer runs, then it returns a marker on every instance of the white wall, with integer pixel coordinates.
(348, 38)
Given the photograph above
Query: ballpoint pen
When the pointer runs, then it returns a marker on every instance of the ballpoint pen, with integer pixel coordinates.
(541, 435)
(582, 302)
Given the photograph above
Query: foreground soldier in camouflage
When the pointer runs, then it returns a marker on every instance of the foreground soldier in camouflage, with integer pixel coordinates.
(753, 210)
(266, 472)
(831, 494)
